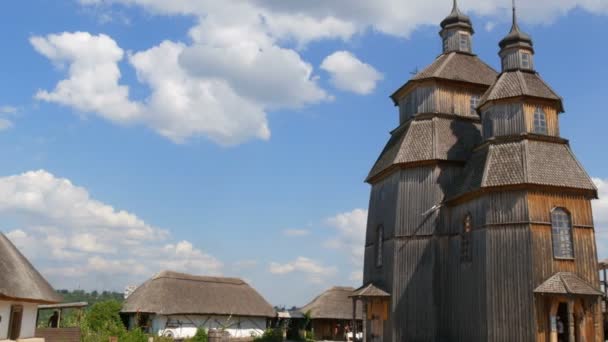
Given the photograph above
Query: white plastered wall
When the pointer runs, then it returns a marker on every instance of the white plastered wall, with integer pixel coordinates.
(28, 324)
(183, 326)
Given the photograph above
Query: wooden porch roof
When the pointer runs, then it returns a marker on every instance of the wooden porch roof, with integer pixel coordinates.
(566, 283)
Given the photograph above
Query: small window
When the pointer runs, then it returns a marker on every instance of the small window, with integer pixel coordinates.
(474, 103)
(379, 246)
(464, 42)
(446, 41)
(561, 225)
(540, 121)
(525, 60)
(465, 242)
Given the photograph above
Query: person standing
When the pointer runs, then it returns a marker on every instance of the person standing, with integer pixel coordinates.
(54, 320)
(560, 330)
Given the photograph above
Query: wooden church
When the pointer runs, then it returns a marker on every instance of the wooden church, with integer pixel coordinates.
(480, 225)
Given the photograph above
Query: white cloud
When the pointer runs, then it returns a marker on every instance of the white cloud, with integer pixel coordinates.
(296, 232)
(63, 229)
(314, 270)
(350, 74)
(350, 239)
(93, 83)
(239, 66)
(217, 88)
(600, 215)
(311, 20)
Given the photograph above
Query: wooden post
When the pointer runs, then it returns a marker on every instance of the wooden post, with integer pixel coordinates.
(364, 320)
(571, 330)
(354, 326)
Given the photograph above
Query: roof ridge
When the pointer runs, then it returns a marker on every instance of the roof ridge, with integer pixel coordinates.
(445, 62)
(198, 278)
(522, 82)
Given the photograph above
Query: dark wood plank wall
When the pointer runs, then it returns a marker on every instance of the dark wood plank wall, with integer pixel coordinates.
(436, 97)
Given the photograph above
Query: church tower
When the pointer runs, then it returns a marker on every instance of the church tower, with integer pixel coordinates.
(480, 225)
(438, 128)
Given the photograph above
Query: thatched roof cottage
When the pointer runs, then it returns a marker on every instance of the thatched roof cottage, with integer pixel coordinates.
(22, 289)
(176, 304)
(331, 312)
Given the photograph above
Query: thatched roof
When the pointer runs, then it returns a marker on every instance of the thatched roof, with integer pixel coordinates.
(19, 279)
(172, 293)
(333, 304)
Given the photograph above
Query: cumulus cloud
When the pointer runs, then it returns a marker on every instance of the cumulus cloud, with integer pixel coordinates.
(240, 63)
(350, 74)
(600, 215)
(314, 270)
(350, 227)
(93, 75)
(220, 86)
(311, 20)
(63, 229)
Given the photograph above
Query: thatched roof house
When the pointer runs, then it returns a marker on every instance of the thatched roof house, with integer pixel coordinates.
(331, 313)
(22, 288)
(334, 303)
(19, 280)
(169, 296)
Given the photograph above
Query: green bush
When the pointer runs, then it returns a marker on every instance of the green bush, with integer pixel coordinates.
(271, 335)
(105, 317)
(200, 336)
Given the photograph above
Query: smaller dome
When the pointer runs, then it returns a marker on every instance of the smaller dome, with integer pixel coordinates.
(516, 36)
(457, 18)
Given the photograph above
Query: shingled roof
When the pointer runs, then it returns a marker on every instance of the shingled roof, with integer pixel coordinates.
(458, 66)
(518, 83)
(171, 293)
(523, 162)
(567, 283)
(19, 279)
(417, 142)
(334, 303)
(455, 66)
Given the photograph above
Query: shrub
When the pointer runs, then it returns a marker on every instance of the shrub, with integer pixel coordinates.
(200, 336)
(271, 335)
(105, 317)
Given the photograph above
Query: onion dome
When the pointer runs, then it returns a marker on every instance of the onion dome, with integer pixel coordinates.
(516, 38)
(457, 19)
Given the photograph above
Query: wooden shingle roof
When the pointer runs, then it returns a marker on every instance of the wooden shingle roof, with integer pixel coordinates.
(19, 279)
(171, 293)
(334, 303)
(425, 140)
(370, 291)
(523, 162)
(567, 283)
(456, 66)
(518, 83)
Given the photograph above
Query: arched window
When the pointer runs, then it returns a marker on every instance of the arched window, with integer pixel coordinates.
(561, 224)
(540, 121)
(379, 246)
(474, 103)
(465, 242)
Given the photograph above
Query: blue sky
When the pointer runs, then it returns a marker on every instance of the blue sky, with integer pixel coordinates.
(245, 155)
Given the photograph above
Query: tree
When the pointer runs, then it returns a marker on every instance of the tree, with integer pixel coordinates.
(105, 317)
